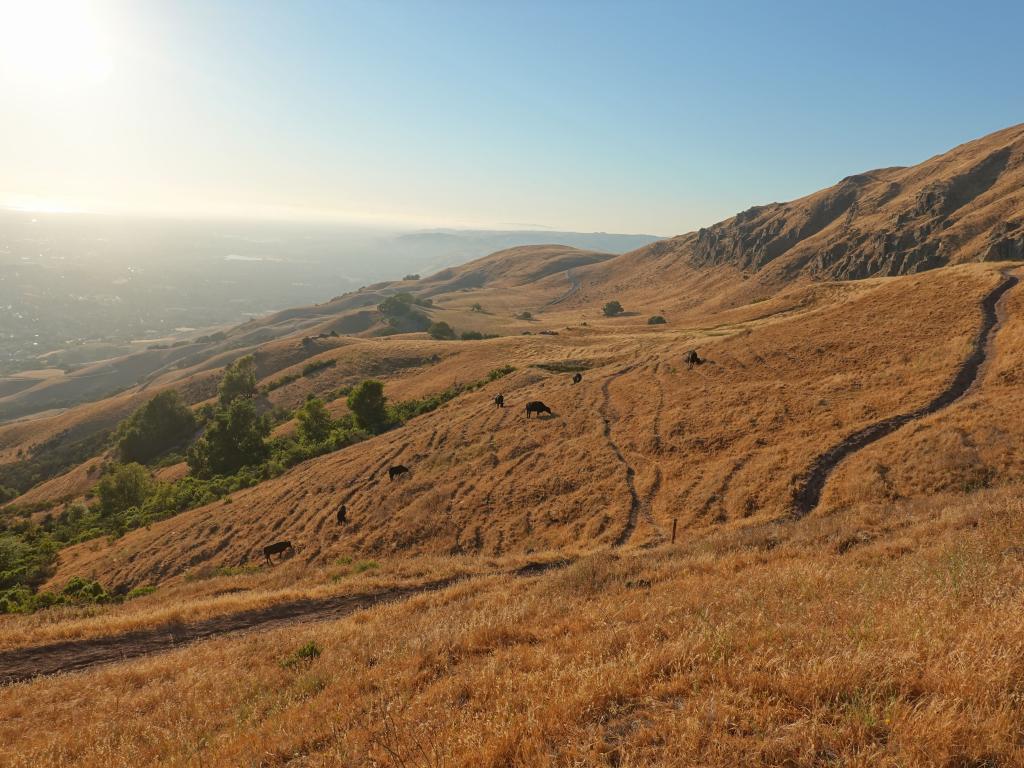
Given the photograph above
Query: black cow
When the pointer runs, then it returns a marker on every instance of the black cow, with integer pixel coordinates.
(342, 514)
(691, 359)
(537, 407)
(499, 400)
(577, 378)
(278, 548)
(397, 470)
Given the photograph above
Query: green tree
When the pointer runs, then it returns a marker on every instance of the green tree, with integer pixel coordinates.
(613, 309)
(123, 487)
(397, 305)
(657, 320)
(236, 437)
(369, 405)
(441, 330)
(477, 307)
(314, 421)
(162, 423)
(239, 381)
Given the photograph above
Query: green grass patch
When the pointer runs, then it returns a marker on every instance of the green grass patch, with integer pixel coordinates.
(302, 656)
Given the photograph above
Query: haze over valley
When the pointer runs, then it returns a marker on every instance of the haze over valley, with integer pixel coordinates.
(81, 288)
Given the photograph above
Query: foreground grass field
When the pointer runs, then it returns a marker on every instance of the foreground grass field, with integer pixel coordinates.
(883, 636)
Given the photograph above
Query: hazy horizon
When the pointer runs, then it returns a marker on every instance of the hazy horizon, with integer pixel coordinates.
(653, 118)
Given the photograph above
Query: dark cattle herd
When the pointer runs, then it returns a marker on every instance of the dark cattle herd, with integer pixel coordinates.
(533, 408)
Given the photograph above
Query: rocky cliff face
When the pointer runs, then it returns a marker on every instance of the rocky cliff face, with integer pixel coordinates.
(964, 205)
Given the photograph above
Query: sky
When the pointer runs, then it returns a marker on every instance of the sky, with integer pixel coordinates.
(593, 116)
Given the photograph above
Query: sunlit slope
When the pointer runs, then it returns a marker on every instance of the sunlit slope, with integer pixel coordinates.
(961, 206)
(639, 442)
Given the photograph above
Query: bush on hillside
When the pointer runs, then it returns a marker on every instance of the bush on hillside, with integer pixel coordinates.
(235, 438)
(657, 320)
(613, 309)
(314, 421)
(369, 405)
(441, 331)
(239, 381)
(123, 487)
(317, 365)
(163, 423)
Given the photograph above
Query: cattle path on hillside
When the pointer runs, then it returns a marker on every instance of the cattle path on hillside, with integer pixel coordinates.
(22, 664)
(808, 494)
(634, 497)
(574, 287)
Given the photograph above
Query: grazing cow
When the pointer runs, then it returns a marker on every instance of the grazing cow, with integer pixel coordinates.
(278, 548)
(577, 378)
(537, 407)
(691, 359)
(499, 400)
(342, 514)
(395, 471)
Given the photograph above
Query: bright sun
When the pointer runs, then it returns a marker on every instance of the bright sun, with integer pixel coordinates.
(53, 43)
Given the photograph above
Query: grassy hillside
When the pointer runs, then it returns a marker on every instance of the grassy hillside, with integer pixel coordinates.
(517, 598)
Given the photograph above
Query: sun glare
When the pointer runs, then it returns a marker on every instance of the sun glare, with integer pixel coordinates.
(53, 43)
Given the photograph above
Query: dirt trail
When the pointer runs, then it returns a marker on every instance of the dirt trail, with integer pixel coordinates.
(21, 664)
(634, 497)
(574, 287)
(807, 496)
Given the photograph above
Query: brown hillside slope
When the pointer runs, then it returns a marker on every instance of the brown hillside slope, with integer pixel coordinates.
(964, 205)
(639, 442)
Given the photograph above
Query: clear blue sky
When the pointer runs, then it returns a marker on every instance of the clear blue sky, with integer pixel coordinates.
(630, 117)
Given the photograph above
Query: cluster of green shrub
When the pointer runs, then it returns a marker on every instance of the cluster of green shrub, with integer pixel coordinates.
(400, 312)
(612, 309)
(234, 452)
(442, 331)
(165, 422)
(317, 365)
(77, 591)
(288, 378)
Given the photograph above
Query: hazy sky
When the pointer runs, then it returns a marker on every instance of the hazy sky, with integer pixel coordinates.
(628, 117)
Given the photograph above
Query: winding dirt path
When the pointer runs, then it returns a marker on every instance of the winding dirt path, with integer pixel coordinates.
(21, 664)
(808, 494)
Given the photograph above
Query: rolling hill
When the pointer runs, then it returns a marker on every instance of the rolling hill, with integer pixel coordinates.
(805, 548)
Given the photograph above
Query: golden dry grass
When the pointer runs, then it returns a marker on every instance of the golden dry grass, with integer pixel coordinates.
(723, 443)
(882, 637)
